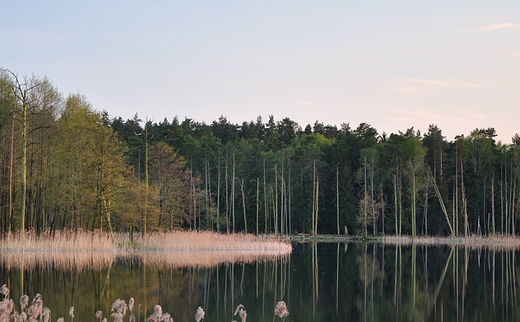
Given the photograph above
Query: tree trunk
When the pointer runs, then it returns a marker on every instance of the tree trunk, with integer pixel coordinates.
(464, 202)
(244, 204)
(265, 203)
(218, 193)
(226, 180)
(24, 164)
(493, 203)
(396, 211)
(365, 197)
(275, 199)
(11, 180)
(233, 191)
(337, 199)
(257, 202)
(146, 180)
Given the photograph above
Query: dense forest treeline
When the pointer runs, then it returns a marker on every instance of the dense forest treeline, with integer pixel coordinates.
(64, 165)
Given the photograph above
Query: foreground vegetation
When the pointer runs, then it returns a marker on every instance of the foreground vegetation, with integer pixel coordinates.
(64, 165)
(35, 310)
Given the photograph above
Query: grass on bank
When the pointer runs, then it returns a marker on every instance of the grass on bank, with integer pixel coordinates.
(473, 241)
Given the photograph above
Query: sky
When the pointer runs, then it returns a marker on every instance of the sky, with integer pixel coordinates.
(391, 64)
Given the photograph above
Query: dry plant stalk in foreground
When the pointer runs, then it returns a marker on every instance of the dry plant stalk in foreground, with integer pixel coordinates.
(95, 250)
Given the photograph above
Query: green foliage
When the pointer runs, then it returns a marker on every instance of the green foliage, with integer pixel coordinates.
(84, 170)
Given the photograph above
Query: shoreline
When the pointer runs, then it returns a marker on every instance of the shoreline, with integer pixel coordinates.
(474, 241)
(207, 241)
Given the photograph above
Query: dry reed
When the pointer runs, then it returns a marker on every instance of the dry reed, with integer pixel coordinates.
(199, 314)
(95, 250)
(59, 241)
(204, 240)
(63, 241)
(281, 309)
(240, 310)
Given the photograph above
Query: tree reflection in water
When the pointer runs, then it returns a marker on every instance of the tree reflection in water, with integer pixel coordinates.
(318, 282)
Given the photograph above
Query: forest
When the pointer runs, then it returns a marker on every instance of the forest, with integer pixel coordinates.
(64, 165)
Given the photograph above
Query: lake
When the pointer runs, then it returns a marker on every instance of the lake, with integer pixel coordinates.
(319, 282)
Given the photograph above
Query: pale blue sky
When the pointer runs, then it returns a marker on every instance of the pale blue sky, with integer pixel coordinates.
(393, 64)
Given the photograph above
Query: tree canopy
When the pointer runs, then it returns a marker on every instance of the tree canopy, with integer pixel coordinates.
(64, 165)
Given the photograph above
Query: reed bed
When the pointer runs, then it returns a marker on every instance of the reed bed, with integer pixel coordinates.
(204, 240)
(58, 241)
(68, 250)
(67, 241)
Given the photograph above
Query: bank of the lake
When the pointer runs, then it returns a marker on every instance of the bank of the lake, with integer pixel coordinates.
(492, 241)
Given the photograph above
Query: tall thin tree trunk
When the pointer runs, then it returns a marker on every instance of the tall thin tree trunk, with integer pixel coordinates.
(233, 191)
(337, 199)
(24, 164)
(464, 202)
(425, 216)
(456, 203)
(146, 179)
(11, 181)
(493, 203)
(372, 197)
(400, 183)
(313, 209)
(257, 202)
(209, 214)
(244, 204)
(317, 203)
(275, 199)
(365, 197)
(513, 199)
(285, 208)
(289, 209)
(206, 188)
(282, 197)
(226, 180)
(193, 209)
(218, 193)
(265, 202)
(502, 197)
(396, 211)
(414, 205)
(316, 190)
(282, 202)
(382, 209)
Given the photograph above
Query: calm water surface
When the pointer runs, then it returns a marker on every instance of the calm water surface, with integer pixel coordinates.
(320, 282)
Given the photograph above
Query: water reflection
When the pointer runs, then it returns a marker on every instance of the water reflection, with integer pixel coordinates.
(319, 282)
